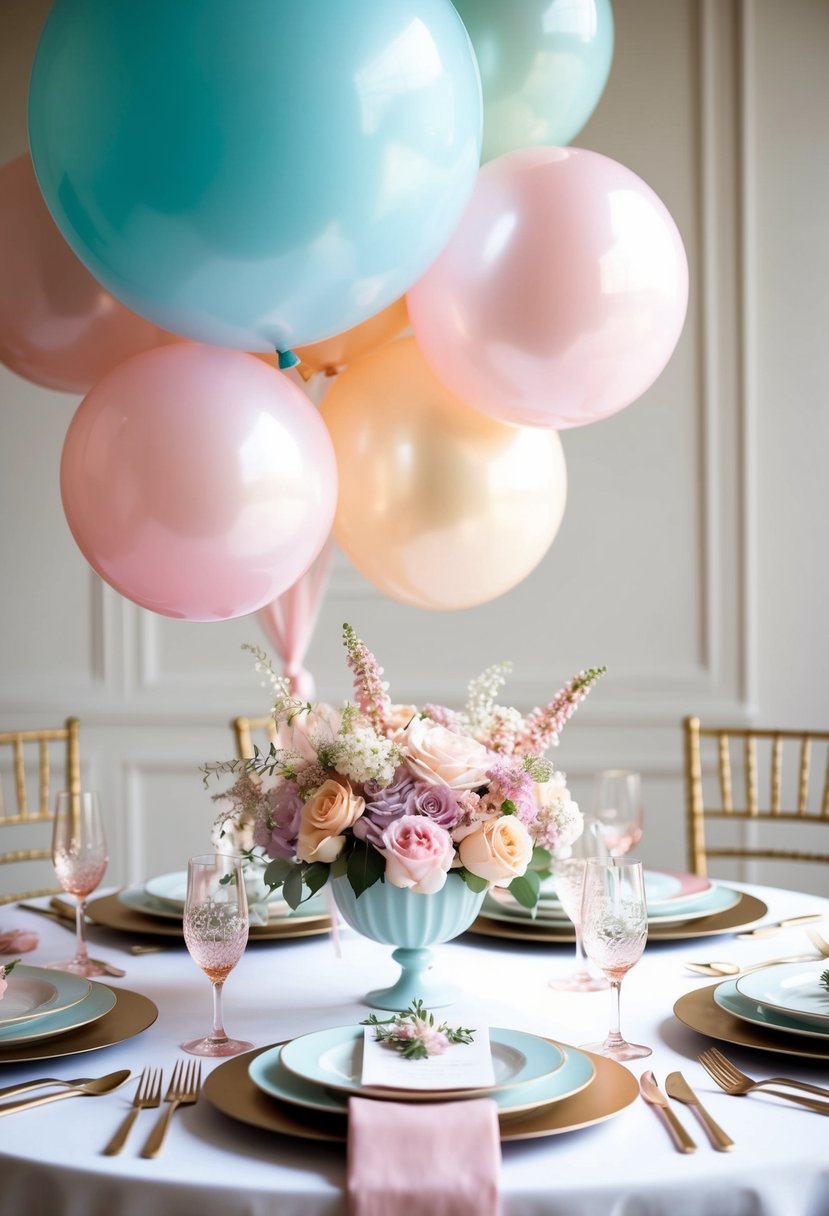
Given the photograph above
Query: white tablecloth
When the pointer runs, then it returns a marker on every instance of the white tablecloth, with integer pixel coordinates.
(51, 1164)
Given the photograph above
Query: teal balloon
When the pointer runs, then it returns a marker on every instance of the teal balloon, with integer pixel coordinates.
(257, 174)
(544, 65)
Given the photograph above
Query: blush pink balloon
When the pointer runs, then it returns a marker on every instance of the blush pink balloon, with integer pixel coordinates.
(561, 295)
(58, 326)
(198, 482)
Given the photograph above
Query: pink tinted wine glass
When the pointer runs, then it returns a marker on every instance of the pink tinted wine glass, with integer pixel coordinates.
(79, 856)
(618, 805)
(216, 933)
(568, 872)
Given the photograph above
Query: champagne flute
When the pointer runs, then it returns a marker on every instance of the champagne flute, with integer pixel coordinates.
(216, 933)
(614, 918)
(568, 871)
(79, 855)
(617, 804)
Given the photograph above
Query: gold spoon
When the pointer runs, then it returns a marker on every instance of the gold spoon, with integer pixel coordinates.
(103, 1085)
(735, 969)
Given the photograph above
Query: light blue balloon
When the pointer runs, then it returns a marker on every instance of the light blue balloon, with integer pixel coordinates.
(258, 173)
(544, 65)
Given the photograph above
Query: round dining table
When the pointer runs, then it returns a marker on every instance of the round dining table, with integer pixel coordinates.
(51, 1160)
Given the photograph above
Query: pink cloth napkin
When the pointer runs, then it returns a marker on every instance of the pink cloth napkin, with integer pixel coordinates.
(423, 1158)
(17, 941)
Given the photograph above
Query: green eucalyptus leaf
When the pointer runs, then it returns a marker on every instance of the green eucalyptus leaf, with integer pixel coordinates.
(525, 889)
(365, 867)
(292, 888)
(316, 876)
(277, 871)
(473, 881)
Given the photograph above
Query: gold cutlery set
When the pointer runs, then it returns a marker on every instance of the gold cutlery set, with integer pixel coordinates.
(183, 1090)
(732, 1081)
(721, 969)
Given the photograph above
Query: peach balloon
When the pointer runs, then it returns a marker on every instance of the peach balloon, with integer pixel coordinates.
(439, 507)
(338, 352)
(198, 482)
(58, 327)
(561, 294)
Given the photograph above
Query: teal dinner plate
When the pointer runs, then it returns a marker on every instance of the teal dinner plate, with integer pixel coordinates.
(792, 989)
(575, 1071)
(729, 998)
(34, 992)
(140, 900)
(98, 1001)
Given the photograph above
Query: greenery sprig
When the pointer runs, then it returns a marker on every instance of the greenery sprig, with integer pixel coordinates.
(414, 1033)
(824, 979)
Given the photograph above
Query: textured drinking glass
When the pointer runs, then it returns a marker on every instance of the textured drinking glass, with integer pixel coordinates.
(216, 933)
(614, 921)
(79, 855)
(617, 804)
(569, 875)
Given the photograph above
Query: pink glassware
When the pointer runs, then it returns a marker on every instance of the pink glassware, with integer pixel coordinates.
(614, 919)
(79, 856)
(569, 878)
(216, 933)
(618, 806)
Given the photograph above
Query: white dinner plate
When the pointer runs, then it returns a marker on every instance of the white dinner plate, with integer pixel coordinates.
(139, 899)
(171, 890)
(717, 898)
(333, 1059)
(728, 998)
(576, 1072)
(793, 989)
(97, 1002)
(34, 992)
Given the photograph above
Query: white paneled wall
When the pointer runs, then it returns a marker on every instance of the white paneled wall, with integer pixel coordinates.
(692, 557)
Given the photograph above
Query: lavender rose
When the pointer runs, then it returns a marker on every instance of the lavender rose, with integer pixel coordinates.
(385, 805)
(277, 824)
(438, 803)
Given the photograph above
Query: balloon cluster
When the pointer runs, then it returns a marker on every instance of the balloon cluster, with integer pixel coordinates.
(216, 182)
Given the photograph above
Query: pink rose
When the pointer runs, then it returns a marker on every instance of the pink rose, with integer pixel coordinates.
(442, 757)
(308, 731)
(323, 820)
(498, 850)
(418, 853)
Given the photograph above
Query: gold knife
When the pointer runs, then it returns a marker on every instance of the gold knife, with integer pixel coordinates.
(652, 1093)
(769, 930)
(677, 1087)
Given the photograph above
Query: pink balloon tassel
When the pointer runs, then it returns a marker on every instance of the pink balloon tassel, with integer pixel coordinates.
(289, 621)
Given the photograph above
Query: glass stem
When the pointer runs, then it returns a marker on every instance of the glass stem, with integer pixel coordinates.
(218, 1031)
(581, 957)
(81, 955)
(615, 1033)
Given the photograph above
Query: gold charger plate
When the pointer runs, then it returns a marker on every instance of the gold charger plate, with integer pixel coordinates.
(743, 915)
(701, 1012)
(230, 1090)
(130, 1014)
(109, 912)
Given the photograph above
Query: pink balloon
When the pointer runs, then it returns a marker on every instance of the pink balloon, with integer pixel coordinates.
(58, 326)
(561, 295)
(198, 482)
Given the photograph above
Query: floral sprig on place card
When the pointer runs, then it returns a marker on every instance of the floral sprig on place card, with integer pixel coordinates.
(6, 970)
(824, 979)
(414, 1033)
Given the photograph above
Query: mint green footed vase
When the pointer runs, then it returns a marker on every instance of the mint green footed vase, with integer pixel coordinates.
(397, 917)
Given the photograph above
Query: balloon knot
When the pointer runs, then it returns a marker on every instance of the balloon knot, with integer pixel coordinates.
(287, 359)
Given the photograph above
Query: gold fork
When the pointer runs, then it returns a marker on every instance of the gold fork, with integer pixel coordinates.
(183, 1090)
(729, 1078)
(147, 1096)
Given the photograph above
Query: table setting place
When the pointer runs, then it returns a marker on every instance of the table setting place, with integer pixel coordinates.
(407, 1025)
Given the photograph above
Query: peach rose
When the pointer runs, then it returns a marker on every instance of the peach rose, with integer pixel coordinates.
(498, 851)
(418, 853)
(441, 757)
(323, 820)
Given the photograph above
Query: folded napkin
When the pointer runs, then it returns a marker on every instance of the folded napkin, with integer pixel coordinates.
(423, 1158)
(17, 941)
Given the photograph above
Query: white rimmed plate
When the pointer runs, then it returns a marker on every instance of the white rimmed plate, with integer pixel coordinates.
(37, 992)
(98, 1001)
(739, 1006)
(333, 1059)
(140, 900)
(574, 1074)
(791, 989)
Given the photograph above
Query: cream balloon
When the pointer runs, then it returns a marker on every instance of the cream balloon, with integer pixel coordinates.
(439, 506)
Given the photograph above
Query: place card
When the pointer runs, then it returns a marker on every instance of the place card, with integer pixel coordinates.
(460, 1066)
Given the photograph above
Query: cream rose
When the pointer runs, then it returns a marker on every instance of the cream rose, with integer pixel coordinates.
(323, 820)
(498, 851)
(441, 757)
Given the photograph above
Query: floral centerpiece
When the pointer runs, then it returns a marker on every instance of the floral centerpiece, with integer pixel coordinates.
(382, 792)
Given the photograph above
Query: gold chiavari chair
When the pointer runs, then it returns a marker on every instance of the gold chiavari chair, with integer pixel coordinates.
(750, 793)
(244, 730)
(31, 780)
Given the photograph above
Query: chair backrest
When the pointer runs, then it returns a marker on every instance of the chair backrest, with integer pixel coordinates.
(751, 793)
(244, 730)
(29, 800)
